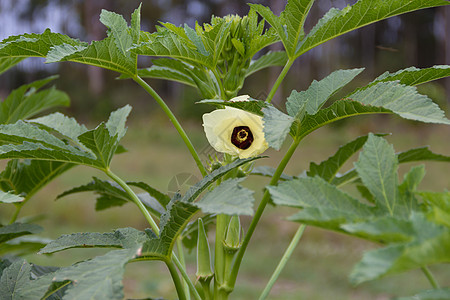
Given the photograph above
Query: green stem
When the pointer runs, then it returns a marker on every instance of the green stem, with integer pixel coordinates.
(174, 121)
(183, 266)
(430, 277)
(259, 212)
(206, 289)
(283, 261)
(280, 78)
(135, 199)
(176, 280)
(219, 81)
(186, 277)
(16, 213)
(155, 229)
(219, 253)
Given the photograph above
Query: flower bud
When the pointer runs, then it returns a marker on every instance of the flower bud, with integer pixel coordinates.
(232, 240)
(204, 271)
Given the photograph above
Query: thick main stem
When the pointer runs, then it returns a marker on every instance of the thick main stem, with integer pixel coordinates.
(283, 261)
(259, 212)
(174, 121)
(280, 78)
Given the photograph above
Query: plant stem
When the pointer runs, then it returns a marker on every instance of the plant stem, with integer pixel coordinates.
(183, 266)
(259, 211)
(135, 199)
(186, 277)
(219, 82)
(174, 121)
(283, 261)
(155, 229)
(280, 78)
(219, 253)
(176, 280)
(16, 213)
(430, 277)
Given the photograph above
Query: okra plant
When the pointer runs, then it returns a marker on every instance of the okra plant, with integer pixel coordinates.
(411, 226)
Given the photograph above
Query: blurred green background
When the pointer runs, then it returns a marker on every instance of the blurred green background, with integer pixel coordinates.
(323, 260)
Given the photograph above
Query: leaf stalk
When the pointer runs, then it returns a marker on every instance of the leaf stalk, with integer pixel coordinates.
(174, 121)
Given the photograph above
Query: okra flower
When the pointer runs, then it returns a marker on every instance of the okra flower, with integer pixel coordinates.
(234, 131)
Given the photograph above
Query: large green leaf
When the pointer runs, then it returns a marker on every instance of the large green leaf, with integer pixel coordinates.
(24, 140)
(110, 53)
(289, 25)
(98, 278)
(322, 203)
(429, 244)
(166, 43)
(16, 282)
(27, 101)
(338, 110)
(377, 167)
(363, 12)
(33, 45)
(402, 100)
(415, 76)
(319, 92)
(121, 238)
(14, 230)
(228, 198)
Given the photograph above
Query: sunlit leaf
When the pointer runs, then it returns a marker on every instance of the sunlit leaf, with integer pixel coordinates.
(33, 45)
(415, 76)
(319, 92)
(377, 167)
(363, 12)
(402, 100)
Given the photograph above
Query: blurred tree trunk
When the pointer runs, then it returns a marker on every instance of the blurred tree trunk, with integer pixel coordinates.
(94, 31)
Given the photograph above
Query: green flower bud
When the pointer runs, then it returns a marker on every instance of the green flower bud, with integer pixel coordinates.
(204, 271)
(232, 241)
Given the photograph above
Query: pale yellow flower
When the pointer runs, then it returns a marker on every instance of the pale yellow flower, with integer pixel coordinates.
(234, 131)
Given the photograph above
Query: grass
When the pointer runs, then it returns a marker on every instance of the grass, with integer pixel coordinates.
(319, 267)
